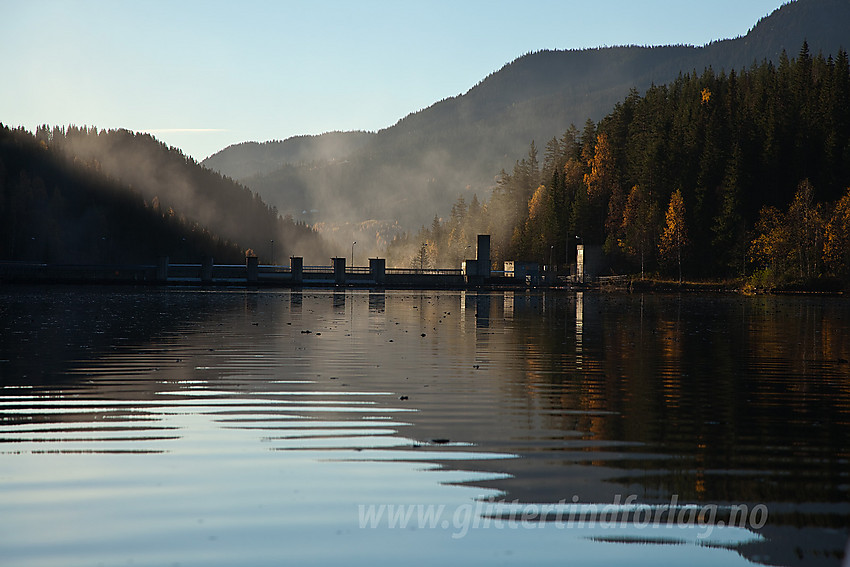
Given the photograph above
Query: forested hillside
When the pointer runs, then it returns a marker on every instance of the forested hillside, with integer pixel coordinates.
(83, 195)
(715, 174)
(418, 167)
(251, 159)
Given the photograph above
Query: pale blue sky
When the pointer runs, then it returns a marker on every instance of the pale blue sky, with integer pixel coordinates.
(202, 75)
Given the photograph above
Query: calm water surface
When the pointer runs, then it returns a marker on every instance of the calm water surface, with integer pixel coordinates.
(180, 427)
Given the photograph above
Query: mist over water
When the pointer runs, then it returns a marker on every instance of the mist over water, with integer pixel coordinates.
(253, 428)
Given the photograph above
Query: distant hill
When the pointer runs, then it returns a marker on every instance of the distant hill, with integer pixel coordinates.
(79, 195)
(416, 168)
(254, 158)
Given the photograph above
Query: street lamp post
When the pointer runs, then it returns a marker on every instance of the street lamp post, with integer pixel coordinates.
(272, 243)
(352, 253)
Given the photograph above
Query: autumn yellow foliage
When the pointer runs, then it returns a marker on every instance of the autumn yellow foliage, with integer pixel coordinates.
(836, 244)
(600, 180)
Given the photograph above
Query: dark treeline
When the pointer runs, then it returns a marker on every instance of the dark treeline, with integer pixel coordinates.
(82, 195)
(702, 175)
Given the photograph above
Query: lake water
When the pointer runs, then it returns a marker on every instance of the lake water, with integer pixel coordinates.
(185, 427)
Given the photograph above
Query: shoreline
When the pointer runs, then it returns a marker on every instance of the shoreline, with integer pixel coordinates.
(207, 276)
(735, 286)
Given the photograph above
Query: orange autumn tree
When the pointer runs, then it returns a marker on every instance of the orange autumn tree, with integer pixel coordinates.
(674, 240)
(836, 245)
(790, 246)
(771, 247)
(602, 182)
(601, 178)
(540, 222)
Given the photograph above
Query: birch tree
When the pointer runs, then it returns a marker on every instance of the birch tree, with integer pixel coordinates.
(675, 236)
(639, 225)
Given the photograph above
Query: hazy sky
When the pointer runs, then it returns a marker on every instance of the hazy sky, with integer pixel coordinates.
(202, 75)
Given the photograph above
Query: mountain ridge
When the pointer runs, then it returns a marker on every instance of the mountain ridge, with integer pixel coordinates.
(415, 168)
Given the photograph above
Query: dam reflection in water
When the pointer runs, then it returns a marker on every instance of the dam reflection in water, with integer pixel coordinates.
(245, 427)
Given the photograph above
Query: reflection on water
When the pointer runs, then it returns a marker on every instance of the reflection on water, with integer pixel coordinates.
(260, 428)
